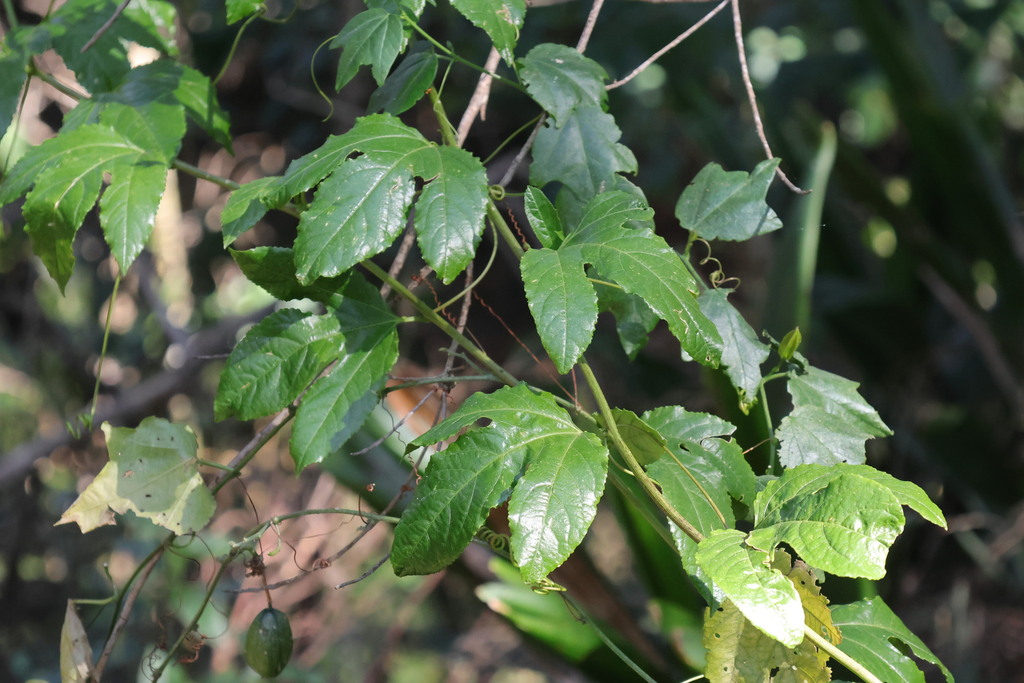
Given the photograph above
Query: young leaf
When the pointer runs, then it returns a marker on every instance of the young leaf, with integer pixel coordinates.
(153, 471)
(764, 596)
(243, 9)
(408, 83)
(560, 79)
(562, 302)
(836, 518)
(273, 269)
(460, 485)
(245, 206)
(374, 37)
(729, 205)
(743, 352)
(275, 362)
(582, 152)
(356, 214)
(878, 639)
(555, 501)
(499, 19)
(450, 211)
(543, 217)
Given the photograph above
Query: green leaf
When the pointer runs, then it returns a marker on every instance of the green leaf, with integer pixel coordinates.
(450, 211)
(460, 485)
(408, 83)
(634, 320)
(838, 396)
(878, 639)
(499, 19)
(75, 653)
(830, 421)
(199, 97)
(356, 214)
(128, 209)
(812, 436)
(273, 269)
(245, 206)
(153, 471)
(764, 596)
(243, 9)
(643, 264)
(677, 424)
(517, 407)
(729, 205)
(12, 78)
(645, 443)
(374, 37)
(743, 352)
(543, 217)
(562, 302)
(582, 152)
(560, 80)
(555, 500)
(841, 519)
(275, 362)
(337, 405)
(67, 172)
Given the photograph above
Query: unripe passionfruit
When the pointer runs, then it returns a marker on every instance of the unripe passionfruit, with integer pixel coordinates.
(268, 644)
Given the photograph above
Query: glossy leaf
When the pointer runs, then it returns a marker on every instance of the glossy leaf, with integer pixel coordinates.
(555, 500)
(762, 594)
(153, 472)
(643, 264)
(407, 84)
(450, 212)
(543, 217)
(839, 397)
(582, 152)
(460, 485)
(337, 405)
(373, 37)
(356, 214)
(836, 518)
(677, 424)
(725, 205)
(562, 302)
(273, 269)
(879, 640)
(275, 362)
(645, 443)
(743, 352)
(499, 19)
(560, 80)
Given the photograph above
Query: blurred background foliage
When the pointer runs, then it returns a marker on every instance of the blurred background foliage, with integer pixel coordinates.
(918, 292)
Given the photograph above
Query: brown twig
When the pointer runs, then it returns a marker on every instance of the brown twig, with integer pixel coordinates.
(126, 609)
(737, 24)
(106, 25)
(369, 572)
(478, 102)
(588, 27)
(660, 53)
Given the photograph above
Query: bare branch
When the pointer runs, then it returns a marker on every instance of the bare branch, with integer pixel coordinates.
(737, 25)
(660, 53)
(588, 28)
(106, 25)
(478, 102)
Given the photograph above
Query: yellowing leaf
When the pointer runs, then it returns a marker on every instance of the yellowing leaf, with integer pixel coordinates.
(75, 653)
(153, 471)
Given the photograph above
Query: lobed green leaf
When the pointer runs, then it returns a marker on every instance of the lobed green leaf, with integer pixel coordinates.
(560, 80)
(374, 37)
(729, 205)
(499, 19)
(742, 352)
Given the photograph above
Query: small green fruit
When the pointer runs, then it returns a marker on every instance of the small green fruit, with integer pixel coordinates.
(268, 644)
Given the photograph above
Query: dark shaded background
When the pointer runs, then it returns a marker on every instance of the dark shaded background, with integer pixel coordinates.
(919, 294)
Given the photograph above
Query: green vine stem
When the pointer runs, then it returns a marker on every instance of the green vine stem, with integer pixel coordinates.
(646, 483)
(846, 660)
